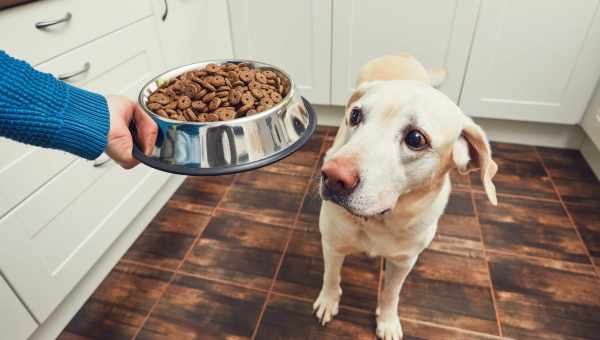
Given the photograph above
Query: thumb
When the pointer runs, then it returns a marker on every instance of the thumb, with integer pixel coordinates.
(119, 149)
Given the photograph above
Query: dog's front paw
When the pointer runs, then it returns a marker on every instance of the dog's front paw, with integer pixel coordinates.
(389, 328)
(326, 306)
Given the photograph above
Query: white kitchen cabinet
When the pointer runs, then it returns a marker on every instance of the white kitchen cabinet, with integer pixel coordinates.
(293, 35)
(193, 31)
(438, 33)
(534, 60)
(15, 323)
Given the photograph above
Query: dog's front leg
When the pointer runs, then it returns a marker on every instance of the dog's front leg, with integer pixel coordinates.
(388, 322)
(327, 304)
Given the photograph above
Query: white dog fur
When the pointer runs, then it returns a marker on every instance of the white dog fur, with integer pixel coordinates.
(400, 193)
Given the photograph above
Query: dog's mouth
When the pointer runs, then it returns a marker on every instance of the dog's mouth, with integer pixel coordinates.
(344, 202)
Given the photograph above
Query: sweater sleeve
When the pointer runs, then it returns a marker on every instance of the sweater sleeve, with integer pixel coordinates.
(37, 109)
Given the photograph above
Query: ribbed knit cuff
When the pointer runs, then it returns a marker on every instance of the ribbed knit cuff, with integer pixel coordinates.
(86, 122)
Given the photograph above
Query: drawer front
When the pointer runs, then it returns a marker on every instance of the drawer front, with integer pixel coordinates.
(89, 20)
(133, 58)
(44, 266)
(15, 323)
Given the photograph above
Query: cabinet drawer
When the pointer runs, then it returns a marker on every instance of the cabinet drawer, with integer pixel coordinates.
(16, 323)
(89, 20)
(120, 63)
(45, 265)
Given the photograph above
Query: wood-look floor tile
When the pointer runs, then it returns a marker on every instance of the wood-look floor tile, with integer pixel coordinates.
(302, 162)
(311, 208)
(301, 273)
(119, 305)
(194, 308)
(529, 227)
(451, 289)
(426, 331)
(543, 300)
(290, 319)
(458, 228)
(520, 172)
(201, 194)
(566, 164)
(327, 143)
(587, 221)
(238, 248)
(459, 182)
(166, 240)
(275, 197)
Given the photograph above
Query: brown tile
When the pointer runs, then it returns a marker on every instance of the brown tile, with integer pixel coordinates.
(327, 143)
(201, 194)
(451, 289)
(459, 182)
(194, 308)
(529, 227)
(166, 240)
(275, 197)
(301, 273)
(119, 305)
(309, 214)
(458, 228)
(587, 221)
(424, 331)
(545, 300)
(238, 248)
(519, 172)
(302, 162)
(579, 192)
(285, 318)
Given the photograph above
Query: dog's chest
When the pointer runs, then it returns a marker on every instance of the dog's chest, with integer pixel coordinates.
(377, 240)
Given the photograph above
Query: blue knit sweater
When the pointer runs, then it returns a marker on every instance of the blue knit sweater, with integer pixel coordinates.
(37, 109)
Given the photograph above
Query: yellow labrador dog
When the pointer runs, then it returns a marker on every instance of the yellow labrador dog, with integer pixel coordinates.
(385, 181)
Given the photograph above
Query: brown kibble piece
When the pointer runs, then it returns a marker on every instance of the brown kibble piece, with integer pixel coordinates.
(251, 112)
(248, 98)
(214, 104)
(190, 115)
(260, 77)
(213, 68)
(209, 96)
(257, 93)
(217, 81)
(154, 106)
(199, 106)
(184, 102)
(222, 94)
(235, 97)
(269, 74)
(159, 98)
(211, 117)
(162, 113)
(245, 108)
(276, 97)
(246, 76)
(266, 101)
(208, 85)
(172, 105)
(254, 85)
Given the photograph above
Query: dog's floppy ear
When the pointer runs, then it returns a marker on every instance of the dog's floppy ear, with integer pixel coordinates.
(472, 152)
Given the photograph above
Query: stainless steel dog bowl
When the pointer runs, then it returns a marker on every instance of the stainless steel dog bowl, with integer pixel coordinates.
(218, 148)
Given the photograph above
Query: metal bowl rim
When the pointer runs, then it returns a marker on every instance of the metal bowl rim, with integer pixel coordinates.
(284, 102)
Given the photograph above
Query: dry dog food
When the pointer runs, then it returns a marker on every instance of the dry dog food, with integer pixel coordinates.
(219, 93)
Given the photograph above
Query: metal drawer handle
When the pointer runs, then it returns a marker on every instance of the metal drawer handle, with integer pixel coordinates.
(166, 12)
(102, 160)
(67, 76)
(45, 24)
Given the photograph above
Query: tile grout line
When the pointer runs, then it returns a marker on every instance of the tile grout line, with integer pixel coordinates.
(566, 210)
(288, 241)
(188, 252)
(491, 252)
(381, 274)
(487, 264)
(529, 198)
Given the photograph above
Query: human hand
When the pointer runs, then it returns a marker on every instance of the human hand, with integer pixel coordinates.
(120, 142)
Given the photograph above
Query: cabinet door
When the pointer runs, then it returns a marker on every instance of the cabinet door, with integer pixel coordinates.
(438, 33)
(51, 238)
(294, 35)
(534, 60)
(193, 31)
(15, 323)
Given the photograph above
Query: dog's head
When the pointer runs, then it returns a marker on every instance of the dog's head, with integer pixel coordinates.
(400, 137)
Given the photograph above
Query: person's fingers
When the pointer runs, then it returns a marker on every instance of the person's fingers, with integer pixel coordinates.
(146, 130)
(120, 150)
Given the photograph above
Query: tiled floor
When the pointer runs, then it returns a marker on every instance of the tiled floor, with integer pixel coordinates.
(239, 257)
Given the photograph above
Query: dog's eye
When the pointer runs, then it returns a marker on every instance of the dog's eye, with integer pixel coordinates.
(415, 140)
(356, 116)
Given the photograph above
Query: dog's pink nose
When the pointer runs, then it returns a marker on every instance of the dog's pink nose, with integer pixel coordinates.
(340, 175)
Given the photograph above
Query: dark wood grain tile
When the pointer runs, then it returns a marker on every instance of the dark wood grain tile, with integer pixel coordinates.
(238, 248)
(579, 192)
(529, 227)
(587, 221)
(459, 182)
(166, 240)
(520, 172)
(327, 143)
(303, 161)
(285, 318)
(311, 207)
(275, 197)
(545, 300)
(194, 308)
(119, 305)
(301, 273)
(459, 221)
(200, 194)
(452, 289)
(414, 330)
